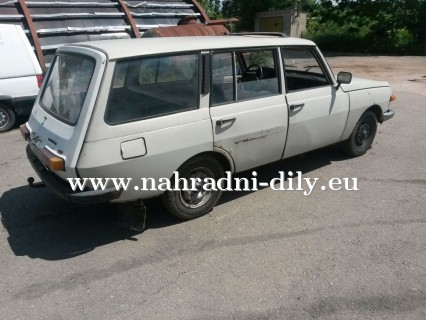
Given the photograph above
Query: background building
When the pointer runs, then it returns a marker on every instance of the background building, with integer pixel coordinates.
(290, 22)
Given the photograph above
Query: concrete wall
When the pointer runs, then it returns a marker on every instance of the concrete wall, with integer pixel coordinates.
(290, 22)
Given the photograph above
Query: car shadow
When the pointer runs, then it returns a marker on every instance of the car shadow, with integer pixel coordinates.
(40, 225)
(305, 163)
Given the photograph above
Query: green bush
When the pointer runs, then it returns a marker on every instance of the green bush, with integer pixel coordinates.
(403, 38)
(363, 40)
(369, 26)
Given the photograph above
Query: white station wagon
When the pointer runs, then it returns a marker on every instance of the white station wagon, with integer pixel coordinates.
(198, 106)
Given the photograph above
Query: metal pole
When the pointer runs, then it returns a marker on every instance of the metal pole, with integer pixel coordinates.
(33, 33)
(130, 19)
(202, 11)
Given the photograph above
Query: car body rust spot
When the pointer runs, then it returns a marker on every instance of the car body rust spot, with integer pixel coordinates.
(260, 135)
(250, 139)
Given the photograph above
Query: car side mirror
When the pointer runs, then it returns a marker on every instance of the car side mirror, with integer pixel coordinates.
(344, 77)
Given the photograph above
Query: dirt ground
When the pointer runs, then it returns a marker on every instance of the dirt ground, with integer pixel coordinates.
(403, 73)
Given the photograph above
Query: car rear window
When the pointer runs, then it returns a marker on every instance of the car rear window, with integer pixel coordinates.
(67, 86)
(153, 87)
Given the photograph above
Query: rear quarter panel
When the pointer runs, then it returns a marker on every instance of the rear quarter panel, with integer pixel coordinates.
(170, 140)
(165, 151)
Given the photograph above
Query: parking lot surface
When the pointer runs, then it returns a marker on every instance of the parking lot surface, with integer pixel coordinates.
(258, 255)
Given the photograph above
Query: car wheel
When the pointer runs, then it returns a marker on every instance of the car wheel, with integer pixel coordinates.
(191, 204)
(7, 118)
(363, 135)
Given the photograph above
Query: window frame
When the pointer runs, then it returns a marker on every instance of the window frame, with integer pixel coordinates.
(150, 56)
(276, 50)
(48, 76)
(319, 60)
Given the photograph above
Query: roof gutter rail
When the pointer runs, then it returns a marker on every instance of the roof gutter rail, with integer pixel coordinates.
(270, 34)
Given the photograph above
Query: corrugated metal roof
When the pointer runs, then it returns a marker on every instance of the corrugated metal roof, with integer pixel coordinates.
(69, 21)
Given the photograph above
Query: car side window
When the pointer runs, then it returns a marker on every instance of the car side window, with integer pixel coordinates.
(303, 69)
(223, 90)
(244, 75)
(152, 87)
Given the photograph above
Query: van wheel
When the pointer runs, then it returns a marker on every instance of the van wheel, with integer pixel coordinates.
(363, 135)
(7, 118)
(191, 204)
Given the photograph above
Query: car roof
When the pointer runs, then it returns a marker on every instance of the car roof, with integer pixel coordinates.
(125, 48)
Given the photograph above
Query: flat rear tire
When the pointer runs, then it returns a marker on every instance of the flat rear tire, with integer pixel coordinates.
(191, 204)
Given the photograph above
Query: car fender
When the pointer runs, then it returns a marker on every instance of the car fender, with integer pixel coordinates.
(361, 101)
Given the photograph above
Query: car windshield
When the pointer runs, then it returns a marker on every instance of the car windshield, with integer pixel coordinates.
(67, 86)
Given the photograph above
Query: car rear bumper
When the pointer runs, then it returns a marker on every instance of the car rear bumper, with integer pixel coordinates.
(63, 189)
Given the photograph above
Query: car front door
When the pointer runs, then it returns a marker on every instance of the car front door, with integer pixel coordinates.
(318, 111)
(248, 110)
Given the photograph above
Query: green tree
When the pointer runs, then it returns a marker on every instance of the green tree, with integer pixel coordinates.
(369, 25)
(212, 8)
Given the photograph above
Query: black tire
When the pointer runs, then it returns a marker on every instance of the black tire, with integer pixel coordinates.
(363, 135)
(188, 205)
(7, 118)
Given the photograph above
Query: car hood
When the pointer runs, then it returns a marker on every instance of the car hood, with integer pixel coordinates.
(361, 83)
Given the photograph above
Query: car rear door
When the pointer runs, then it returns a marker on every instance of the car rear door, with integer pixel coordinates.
(248, 110)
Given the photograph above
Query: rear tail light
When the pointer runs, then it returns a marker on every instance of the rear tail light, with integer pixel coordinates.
(24, 131)
(39, 80)
(54, 162)
(392, 98)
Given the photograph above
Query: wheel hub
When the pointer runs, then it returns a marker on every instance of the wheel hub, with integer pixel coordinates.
(3, 118)
(197, 196)
(363, 134)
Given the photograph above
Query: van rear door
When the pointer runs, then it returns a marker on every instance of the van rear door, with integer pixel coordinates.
(17, 59)
(62, 111)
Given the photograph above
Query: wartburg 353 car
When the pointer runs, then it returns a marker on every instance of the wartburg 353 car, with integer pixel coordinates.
(196, 106)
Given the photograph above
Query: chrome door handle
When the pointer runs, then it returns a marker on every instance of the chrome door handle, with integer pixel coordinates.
(296, 106)
(223, 121)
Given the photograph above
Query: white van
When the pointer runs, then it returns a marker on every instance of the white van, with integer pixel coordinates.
(195, 107)
(20, 75)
